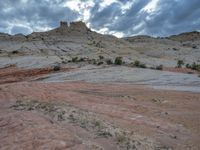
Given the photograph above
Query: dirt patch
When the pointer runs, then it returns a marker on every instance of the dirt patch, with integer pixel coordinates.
(169, 119)
(181, 70)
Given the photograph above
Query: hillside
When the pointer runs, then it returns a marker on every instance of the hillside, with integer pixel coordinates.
(77, 40)
(188, 36)
(73, 88)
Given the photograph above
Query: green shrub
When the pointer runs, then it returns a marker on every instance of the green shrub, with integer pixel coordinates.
(142, 66)
(81, 59)
(100, 63)
(118, 61)
(74, 59)
(188, 66)
(180, 63)
(137, 63)
(195, 66)
(94, 61)
(153, 67)
(56, 67)
(109, 61)
(160, 67)
(15, 52)
(101, 57)
(64, 62)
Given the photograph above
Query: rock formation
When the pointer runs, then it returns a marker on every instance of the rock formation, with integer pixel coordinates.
(63, 24)
(78, 26)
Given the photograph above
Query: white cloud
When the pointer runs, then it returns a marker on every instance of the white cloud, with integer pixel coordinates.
(151, 6)
(83, 8)
(74, 5)
(126, 6)
(117, 34)
(106, 3)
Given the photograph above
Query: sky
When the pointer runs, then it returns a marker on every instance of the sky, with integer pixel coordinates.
(117, 17)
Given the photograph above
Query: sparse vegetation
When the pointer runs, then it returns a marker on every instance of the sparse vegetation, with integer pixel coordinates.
(100, 63)
(175, 49)
(101, 57)
(84, 119)
(15, 52)
(160, 67)
(142, 66)
(64, 62)
(94, 61)
(56, 67)
(180, 63)
(75, 59)
(193, 66)
(194, 46)
(118, 61)
(81, 59)
(109, 62)
(188, 66)
(137, 63)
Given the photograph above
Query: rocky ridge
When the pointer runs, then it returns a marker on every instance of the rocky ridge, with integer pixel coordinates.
(75, 39)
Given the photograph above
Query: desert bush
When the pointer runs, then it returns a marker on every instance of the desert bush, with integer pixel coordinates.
(81, 59)
(180, 63)
(118, 61)
(100, 63)
(175, 49)
(15, 52)
(64, 62)
(101, 57)
(188, 66)
(195, 66)
(74, 59)
(160, 67)
(56, 67)
(194, 46)
(136, 63)
(153, 67)
(94, 61)
(142, 66)
(109, 61)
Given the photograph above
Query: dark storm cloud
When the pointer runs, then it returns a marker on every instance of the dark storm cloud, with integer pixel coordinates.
(100, 18)
(35, 13)
(131, 18)
(125, 16)
(169, 17)
(173, 17)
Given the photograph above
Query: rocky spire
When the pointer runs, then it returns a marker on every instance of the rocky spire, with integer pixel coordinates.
(63, 24)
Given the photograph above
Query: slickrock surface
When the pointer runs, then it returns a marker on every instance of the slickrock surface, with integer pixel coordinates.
(58, 91)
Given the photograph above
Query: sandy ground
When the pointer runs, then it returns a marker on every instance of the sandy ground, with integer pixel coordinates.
(82, 115)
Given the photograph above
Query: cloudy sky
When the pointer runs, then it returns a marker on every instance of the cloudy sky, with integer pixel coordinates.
(117, 17)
